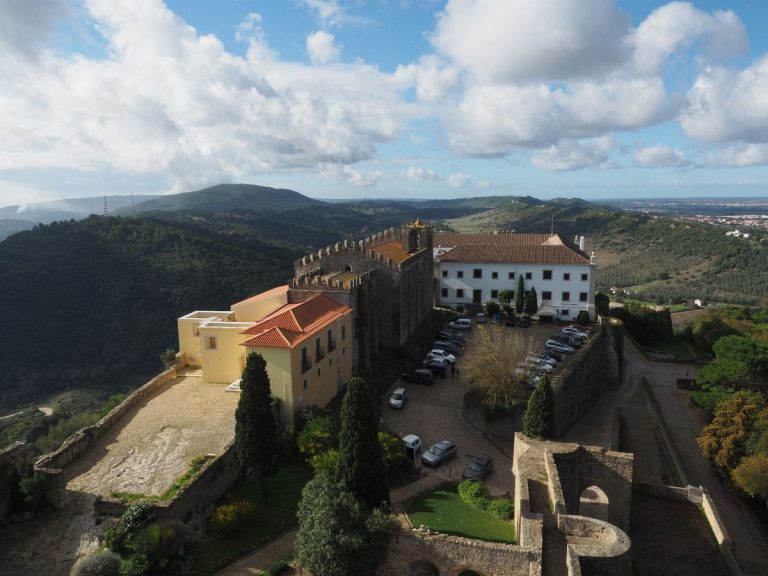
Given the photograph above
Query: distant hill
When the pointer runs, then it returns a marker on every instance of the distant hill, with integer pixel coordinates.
(10, 226)
(228, 197)
(91, 304)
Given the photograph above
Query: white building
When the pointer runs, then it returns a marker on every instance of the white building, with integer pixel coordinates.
(474, 268)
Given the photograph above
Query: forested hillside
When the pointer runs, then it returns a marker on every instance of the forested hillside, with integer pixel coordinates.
(92, 304)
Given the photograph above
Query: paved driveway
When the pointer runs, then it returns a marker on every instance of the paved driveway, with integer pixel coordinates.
(434, 413)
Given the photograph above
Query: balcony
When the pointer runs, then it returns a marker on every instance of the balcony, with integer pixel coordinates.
(319, 353)
(332, 345)
(306, 364)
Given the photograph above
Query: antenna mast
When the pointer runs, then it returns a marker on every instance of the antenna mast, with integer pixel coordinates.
(106, 211)
(552, 226)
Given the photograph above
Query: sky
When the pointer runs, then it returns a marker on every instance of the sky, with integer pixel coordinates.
(414, 99)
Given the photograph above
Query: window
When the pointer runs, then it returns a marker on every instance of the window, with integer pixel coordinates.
(343, 332)
(210, 342)
(584, 277)
(494, 294)
(330, 362)
(495, 275)
(444, 292)
(566, 276)
(565, 312)
(445, 273)
(546, 295)
(582, 296)
(566, 297)
(319, 352)
(511, 295)
(460, 274)
(195, 329)
(343, 350)
(547, 274)
(477, 273)
(331, 341)
(511, 275)
(305, 383)
(459, 293)
(318, 370)
(306, 364)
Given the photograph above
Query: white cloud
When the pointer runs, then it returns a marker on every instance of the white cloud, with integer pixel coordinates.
(740, 156)
(574, 154)
(515, 40)
(26, 26)
(495, 119)
(327, 11)
(678, 25)
(726, 105)
(659, 156)
(349, 174)
(167, 100)
(433, 78)
(460, 180)
(321, 47)
(421, 174)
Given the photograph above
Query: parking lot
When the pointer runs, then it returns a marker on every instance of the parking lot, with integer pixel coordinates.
(434, 412)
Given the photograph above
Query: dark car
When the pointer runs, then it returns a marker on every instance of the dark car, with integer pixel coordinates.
(510, 321)
(438, 453)
(573, 342)
(451, 347)
(478, 468)
(437, 366)
(524, 322)
(419, 376)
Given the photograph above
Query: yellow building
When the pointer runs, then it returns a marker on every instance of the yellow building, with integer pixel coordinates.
(305, 339)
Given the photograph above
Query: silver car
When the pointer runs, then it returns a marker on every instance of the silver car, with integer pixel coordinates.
(438, 453)
(398, 398)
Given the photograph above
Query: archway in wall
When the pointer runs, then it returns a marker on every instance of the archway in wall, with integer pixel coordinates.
(469, 573)
(422, 568)
(594, 503)
(347, 268)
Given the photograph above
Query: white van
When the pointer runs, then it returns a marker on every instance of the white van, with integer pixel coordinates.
(461, 324)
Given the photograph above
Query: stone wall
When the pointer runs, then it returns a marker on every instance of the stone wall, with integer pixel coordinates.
(721, 535)
(8, 458)
(83, 439)
(452, 554)
(577, 389)
(602, 549)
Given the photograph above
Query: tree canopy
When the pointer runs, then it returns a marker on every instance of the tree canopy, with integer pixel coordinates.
(740, 362)
(537, 420)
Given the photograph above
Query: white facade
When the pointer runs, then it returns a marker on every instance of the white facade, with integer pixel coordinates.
(566, 288)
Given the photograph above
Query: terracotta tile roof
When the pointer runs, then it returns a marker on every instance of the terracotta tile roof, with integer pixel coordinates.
(446, 240)
(295, 322)
(514, 255)
(392, 249)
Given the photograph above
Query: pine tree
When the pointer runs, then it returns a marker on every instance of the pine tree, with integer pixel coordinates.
(537, 421)
(255, 427)
(360, 464)
(520, 294)
(532, 301)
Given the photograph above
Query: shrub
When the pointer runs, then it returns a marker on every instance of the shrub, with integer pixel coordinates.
(136, 517)
(32, 488)
(501, 508)
(100, 563)
(475, 494)
(226, 518)
(324, 461)
(136, 565)
(279, 567)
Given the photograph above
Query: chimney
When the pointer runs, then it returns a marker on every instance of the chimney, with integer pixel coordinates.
(581, 243)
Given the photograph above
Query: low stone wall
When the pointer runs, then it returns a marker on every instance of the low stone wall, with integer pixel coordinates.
(8, 458)
(653, 406)
(452, 554)
(80, 441)
(721, 535)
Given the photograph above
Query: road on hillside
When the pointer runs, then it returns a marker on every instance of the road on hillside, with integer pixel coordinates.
(750, 537)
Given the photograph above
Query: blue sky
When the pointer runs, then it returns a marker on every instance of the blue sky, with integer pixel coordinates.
(384, 98)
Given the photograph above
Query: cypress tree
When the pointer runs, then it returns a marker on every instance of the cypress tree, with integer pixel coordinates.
(520, 294)
(537, 421)
(360, 465)
(255, 427)
(532, 301)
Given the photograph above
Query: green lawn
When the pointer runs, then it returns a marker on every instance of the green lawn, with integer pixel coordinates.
(275, 515)
(445, 511)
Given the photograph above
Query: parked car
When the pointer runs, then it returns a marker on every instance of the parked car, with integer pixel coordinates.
(413, 442)
(572, 341)
(450, 336)
(581, 327)
(524, 321)
(478, 468)
(437, 353)
(571, 331)
(438, 367)
(481, 318)
(496, 319)
(419, 376)
(510, 320)
(540, 363)
(438, 453)
(451, 347)
(552, 357)
(557, 346)
(461, 324)
(398, 398)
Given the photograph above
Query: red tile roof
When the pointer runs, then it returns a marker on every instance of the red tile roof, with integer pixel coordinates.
(295, 322)
(508, 249)
(393, 250)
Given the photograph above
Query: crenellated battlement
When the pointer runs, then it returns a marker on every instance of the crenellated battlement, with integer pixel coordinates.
(315, 280)
(359, 245)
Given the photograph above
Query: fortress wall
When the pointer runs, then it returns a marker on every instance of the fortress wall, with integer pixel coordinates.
(602, 550)
(452, 554)
(576, 390)
(83, 439)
